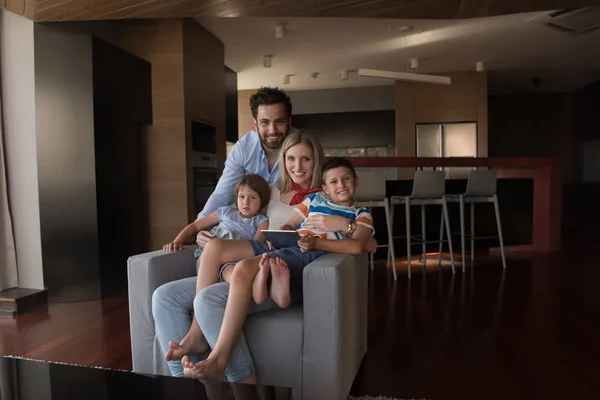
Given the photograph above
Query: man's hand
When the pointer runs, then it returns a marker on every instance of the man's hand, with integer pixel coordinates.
(204, 237)
(173, 246)
(306, 243)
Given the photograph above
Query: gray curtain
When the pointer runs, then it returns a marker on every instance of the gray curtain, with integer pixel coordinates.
(8, 258)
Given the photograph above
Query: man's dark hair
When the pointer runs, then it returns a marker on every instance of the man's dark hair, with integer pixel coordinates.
(266, 96)
(336, 162)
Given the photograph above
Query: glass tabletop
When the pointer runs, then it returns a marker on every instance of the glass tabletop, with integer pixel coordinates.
(24, 379)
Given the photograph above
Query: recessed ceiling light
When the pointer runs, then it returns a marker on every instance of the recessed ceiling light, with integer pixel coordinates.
(280, 32)
(267, 61)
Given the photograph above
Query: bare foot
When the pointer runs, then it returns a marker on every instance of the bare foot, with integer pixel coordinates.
(189, 369)
(259, 286)
(207, 369)
(193, 343)
(280, 282)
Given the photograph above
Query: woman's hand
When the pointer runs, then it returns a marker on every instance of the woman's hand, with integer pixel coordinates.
(204, 237)
(306, 243)
(173, 246)
(327, 223)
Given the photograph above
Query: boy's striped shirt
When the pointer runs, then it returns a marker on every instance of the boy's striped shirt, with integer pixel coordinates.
(316, 204)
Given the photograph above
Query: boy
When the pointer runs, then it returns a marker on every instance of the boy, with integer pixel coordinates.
(339, 183)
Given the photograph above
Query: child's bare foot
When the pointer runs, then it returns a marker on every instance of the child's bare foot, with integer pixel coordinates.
(193, 343)
(259, 286)
(280, 282)
(207, 369)
(190, 370)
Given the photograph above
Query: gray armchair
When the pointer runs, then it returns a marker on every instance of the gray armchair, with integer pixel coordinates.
(315, 348)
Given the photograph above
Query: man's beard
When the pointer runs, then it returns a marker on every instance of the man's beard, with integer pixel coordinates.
(271, 145)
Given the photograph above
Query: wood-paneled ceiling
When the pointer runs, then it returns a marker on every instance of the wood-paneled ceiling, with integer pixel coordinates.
(81, 10)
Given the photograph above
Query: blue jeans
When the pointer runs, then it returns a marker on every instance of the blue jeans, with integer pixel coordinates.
(209, 306)
(172, 305)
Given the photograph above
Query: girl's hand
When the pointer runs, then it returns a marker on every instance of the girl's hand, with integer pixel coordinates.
(306, 243)
(327, 223)
(173, 246)
(204, 237)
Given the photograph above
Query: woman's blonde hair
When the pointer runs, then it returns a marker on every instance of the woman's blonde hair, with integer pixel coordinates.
(291, 140)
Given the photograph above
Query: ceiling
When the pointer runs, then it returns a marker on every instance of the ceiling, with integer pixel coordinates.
(514, 51)
(78, 10)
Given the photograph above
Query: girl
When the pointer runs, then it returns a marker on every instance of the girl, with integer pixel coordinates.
(244, 220)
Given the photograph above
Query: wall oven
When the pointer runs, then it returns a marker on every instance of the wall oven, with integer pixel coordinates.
(204, 161)
(205, 181)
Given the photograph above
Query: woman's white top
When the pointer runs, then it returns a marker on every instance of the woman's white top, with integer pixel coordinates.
(279, 213)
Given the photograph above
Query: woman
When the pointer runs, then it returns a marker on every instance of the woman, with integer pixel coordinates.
(300, 160)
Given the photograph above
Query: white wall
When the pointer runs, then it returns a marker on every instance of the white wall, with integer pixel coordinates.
(373, 98)
(18, 109)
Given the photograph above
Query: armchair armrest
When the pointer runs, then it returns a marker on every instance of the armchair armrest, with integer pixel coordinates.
(335, 324)
(146, 272)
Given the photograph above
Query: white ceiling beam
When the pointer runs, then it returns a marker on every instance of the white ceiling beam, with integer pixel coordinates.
(405, 76)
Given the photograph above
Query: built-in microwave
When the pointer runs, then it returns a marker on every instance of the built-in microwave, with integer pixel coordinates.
(204, 136)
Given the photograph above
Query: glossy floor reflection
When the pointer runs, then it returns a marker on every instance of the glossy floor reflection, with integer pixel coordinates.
(530, 331)
(22, 379)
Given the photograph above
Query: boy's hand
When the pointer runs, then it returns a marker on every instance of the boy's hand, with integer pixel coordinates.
(270, 246)
(306, 243)
(173, 246)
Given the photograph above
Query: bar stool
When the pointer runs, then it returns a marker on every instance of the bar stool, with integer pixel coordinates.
(370, 193)
(481, 188)
(428, 188)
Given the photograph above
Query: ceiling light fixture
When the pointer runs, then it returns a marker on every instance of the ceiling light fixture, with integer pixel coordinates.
(286, 79)
(414, 63)
(404, 28)
(344, 74)
(267, 61)
(479, 66)
(404, 76)
(280, 32)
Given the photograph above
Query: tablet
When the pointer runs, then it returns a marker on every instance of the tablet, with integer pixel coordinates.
(280, 238)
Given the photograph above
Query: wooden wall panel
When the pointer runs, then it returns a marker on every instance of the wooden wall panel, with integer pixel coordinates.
(161, 43)
(533, 125)
(465, 99)
(63, 10)
(204, 91)
(245, 120)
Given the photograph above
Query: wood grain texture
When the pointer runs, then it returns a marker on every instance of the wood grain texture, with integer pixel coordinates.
(188, 81)
(204, 91)
(71, 10)
(245, 120)
(87, 333)
(464, 100)
(161, 43)
(15, 6)
(532, 335)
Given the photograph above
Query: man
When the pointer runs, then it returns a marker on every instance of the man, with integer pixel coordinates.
(257, 152)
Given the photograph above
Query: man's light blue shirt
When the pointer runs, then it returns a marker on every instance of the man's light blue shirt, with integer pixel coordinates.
(246, 157)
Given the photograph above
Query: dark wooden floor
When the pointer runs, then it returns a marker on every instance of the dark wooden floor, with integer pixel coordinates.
(532, 332)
